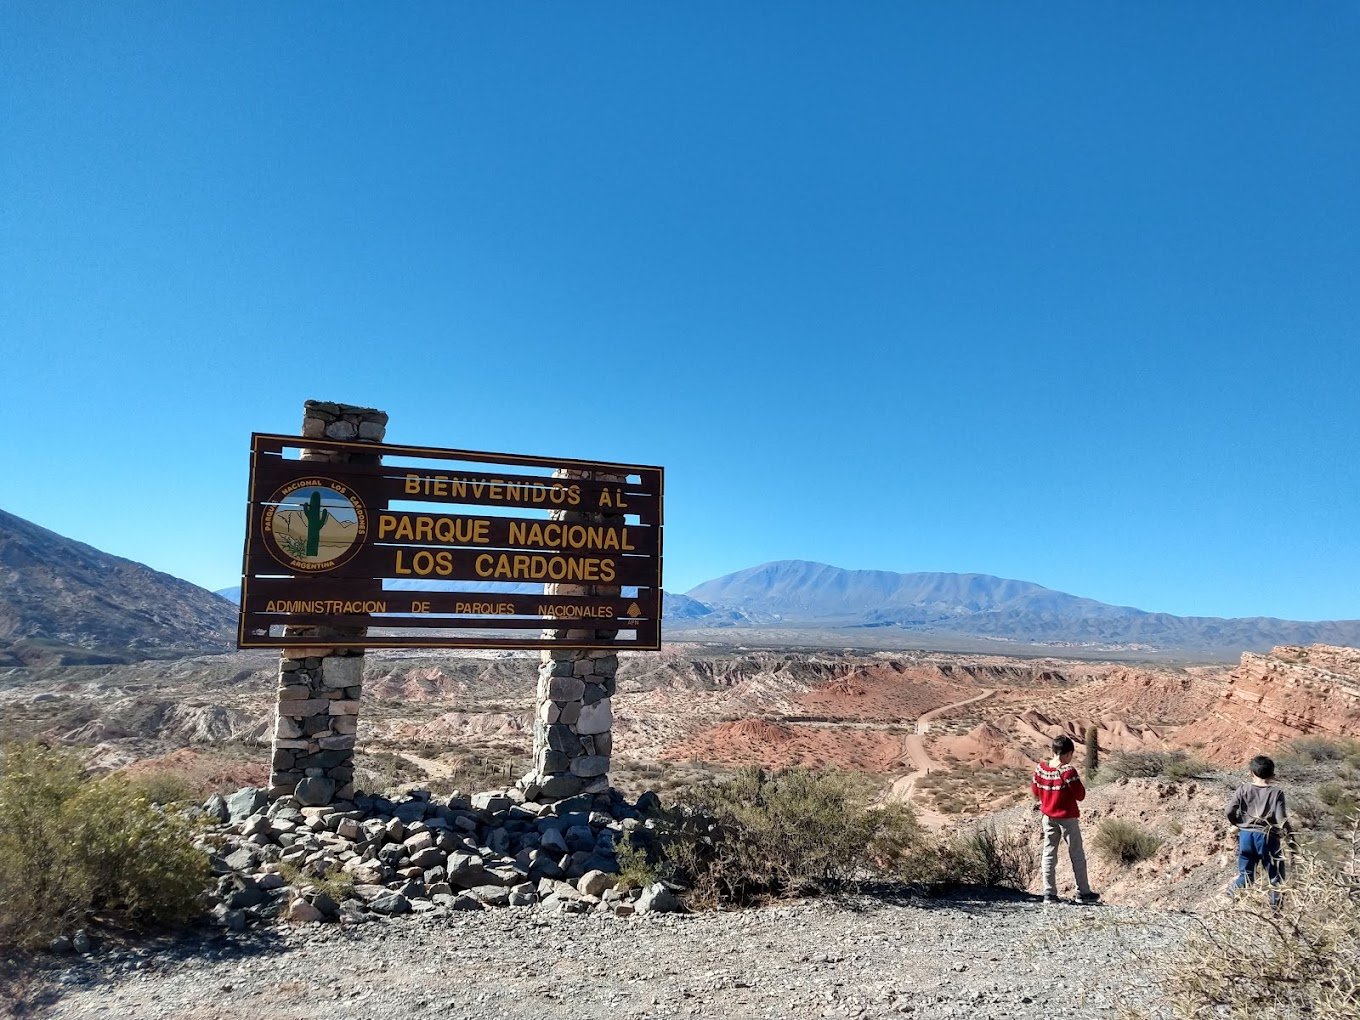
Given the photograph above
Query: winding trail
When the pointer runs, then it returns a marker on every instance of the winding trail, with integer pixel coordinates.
(914, 748)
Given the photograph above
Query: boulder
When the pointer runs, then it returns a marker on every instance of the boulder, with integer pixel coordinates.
(216, 807)
(657, 899)
(315, 791)
(594, 883)
(301, 911)
(492, 895)
(390, 903)
(246, 802)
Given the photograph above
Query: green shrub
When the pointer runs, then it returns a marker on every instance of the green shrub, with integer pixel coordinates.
(70, 846)
(1307, 811)
(982, 855)
(1331, 794)
(165, 788)
(1152, 765)
(1297, 957)
(1123, 842)
(1317, 748)
(759, 835)
(338, 885)
(635, 870)
(1331, 807)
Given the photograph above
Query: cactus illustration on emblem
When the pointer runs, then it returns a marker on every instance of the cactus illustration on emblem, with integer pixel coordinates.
(316, 520)
(314, 524)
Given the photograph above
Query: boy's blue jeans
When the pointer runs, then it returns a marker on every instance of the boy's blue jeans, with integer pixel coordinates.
(1255, 848)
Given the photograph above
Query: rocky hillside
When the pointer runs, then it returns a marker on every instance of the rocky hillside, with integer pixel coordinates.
(63, 601)
(795, 593)
(1272, 699)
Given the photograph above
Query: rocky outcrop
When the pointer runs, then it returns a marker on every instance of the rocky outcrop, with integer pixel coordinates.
(1271, 699)
(62, 600)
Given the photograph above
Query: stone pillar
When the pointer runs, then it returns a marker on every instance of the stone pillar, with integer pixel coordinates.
(319, 686)
(573, 736)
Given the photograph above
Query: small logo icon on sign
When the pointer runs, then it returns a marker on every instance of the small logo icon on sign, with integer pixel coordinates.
(314, 524)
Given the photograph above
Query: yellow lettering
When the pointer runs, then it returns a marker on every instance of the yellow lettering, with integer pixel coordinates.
(420, 607)
(412, 485)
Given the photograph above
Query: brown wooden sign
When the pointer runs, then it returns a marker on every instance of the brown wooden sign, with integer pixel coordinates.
(434, 548)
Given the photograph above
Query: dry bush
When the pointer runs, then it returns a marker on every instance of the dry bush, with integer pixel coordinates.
(1297, 958)
(635, 870)
(984, 855)
(338, 885)
(71, 847)
(383, 771)
(1123, 842)
(165, 788)
(1152, 765)
(1325, 749)
(758, 835)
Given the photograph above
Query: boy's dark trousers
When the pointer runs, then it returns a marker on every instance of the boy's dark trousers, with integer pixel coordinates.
(1255, 848)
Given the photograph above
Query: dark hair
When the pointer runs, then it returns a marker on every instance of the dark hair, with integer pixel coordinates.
(1062, 745)
(1262, 767)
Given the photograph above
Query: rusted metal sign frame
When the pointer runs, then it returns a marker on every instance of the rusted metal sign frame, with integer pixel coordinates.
(289, 587)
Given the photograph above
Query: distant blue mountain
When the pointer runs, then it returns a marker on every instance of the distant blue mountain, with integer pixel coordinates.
(801, 594)
(678, 608)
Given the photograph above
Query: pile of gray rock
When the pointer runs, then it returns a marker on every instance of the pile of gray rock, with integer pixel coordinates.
(354, 861)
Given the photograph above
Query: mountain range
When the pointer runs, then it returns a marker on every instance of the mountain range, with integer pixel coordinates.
(799, 595)
(64, 601)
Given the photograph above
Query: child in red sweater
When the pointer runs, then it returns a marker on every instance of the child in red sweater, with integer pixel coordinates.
(1058, 789)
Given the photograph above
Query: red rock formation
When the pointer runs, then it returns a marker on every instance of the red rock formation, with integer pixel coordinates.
(1269, 700)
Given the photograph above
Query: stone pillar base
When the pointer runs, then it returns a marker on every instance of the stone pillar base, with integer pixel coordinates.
(573, 737)
(315, 726)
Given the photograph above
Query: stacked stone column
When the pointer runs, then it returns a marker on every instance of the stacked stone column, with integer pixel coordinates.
(319, 685)
(573, 736)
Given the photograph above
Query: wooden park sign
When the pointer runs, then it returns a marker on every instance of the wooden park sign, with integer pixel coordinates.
(436, 548)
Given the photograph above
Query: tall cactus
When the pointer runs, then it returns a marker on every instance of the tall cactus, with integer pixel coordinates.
(316, 520)
(1092, 751)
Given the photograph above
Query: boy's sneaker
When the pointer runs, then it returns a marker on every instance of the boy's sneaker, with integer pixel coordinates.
(1089, 897)
(1049, 898)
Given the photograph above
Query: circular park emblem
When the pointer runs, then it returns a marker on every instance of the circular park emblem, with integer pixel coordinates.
(314, 524)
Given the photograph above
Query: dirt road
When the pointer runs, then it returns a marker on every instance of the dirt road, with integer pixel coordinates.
(914, 748)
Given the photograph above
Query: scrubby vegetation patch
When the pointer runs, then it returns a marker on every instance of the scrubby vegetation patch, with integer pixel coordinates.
(74, 849)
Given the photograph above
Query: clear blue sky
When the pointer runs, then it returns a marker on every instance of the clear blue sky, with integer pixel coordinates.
(1064, 293)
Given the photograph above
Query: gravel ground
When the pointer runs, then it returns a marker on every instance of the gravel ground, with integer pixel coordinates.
(859, 956)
